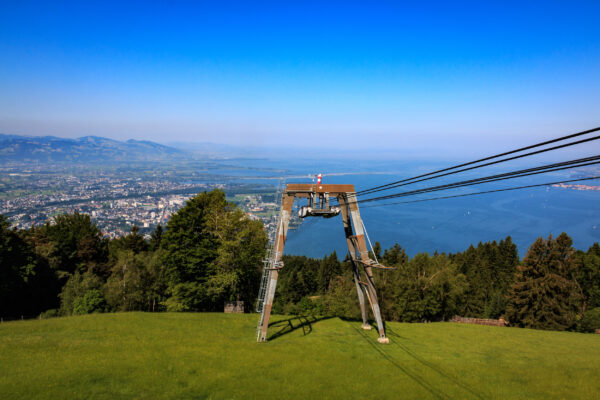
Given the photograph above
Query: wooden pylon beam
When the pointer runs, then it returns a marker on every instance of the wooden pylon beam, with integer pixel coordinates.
(357, 247)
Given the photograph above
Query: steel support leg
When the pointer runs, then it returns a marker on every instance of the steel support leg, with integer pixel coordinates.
(350, 239)
(361, 298)
(375, 306)
(361, 252)
(280, 237)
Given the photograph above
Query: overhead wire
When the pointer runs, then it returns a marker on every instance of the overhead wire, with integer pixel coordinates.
(485, 192)
(480, 166)
(479, 181)
(390, 185)
(493, 178)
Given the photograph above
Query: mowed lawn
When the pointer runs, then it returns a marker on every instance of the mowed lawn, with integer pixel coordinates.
(215, 356)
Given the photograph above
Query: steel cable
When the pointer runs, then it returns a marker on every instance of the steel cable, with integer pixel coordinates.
(390, 185)
(482, 165)
(493, 178)
(477, 182)
(485, 192)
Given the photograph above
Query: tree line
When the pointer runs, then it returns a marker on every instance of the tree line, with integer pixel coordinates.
(554, 287)
(211, 253)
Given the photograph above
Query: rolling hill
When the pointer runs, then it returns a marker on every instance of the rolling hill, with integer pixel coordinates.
(86, 149)
(197, 355)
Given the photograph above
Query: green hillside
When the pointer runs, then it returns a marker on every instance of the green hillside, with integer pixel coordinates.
(186, 355)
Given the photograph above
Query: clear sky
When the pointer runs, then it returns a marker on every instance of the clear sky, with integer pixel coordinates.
(440, 75)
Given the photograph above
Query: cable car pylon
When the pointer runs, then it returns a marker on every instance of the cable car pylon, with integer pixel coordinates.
(318, 197)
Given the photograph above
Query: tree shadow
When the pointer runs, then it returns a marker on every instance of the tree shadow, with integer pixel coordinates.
(292, 324)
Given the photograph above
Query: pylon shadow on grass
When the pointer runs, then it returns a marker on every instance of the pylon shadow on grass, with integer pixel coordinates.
(292, 324)
(438, 394)
(433, 367)
(435, 392)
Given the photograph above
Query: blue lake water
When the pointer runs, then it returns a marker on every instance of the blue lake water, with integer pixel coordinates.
(451, 225)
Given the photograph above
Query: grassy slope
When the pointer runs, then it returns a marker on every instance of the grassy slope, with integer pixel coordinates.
(138, 355)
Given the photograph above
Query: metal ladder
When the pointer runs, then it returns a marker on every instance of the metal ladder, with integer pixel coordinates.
(269, 261)
(264, 282)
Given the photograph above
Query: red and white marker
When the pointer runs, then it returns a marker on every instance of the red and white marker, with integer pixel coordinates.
(319, 179)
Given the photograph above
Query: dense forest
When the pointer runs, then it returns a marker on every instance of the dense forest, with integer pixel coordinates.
(210, 253)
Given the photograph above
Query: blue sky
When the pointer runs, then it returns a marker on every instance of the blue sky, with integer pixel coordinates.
(440, 77)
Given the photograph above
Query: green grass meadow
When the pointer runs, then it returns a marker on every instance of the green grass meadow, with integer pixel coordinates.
(215, 356)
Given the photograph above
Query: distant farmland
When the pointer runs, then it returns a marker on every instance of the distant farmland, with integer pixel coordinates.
(215, 356)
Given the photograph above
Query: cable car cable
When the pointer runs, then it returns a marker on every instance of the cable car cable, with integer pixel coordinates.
(479, 166)
(486, 192)
(485, 159)
(509, 175)
(475, 182)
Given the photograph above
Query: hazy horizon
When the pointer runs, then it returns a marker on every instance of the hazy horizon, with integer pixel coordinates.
(465, 78)
(454, 152)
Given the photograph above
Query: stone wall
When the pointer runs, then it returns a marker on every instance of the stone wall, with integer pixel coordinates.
(480, 321)
(234, 307)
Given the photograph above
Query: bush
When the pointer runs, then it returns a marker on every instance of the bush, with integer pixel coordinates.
(51, 313)
(590, 321)
(310, 306)
(341, 300)
(76, 289)
(188, 296)
(91, 302)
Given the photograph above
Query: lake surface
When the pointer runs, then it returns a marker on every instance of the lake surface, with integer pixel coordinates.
(449, 225)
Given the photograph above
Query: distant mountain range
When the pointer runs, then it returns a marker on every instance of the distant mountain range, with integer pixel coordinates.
(83, 149)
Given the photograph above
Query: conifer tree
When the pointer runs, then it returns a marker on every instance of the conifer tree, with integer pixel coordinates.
(133, 242)
(544, 294)
(330, 268)
(72, 244)
(394, 256)
(156, 238)
(27, 285)
(589, 277)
